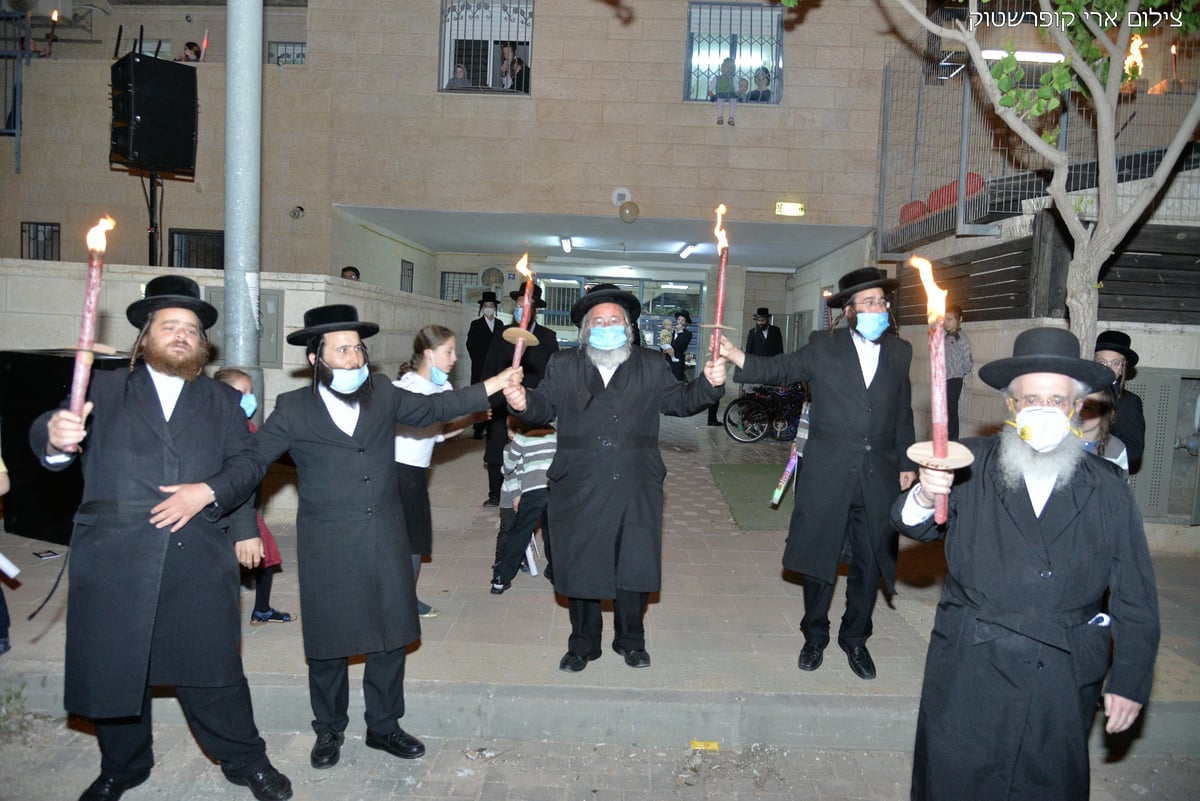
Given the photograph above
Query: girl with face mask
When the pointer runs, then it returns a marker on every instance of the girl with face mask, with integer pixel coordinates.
(426, 373)
(269, 550)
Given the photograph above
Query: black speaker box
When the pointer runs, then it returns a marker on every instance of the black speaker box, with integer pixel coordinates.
(154, 114)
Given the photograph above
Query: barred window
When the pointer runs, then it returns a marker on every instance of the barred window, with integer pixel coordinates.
(750, 36)
(406, 275)
(491, 41)
(453, 283)
(195, 248)
(40, 241)
(286, 52)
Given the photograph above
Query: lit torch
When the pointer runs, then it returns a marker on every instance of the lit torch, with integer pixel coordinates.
(87, 326)
(937, 455)
(204, 45)
(719, 311)
(520, 336)
(50, 36)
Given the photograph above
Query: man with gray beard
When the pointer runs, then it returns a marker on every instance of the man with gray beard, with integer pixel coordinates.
(606, 480)
(1039, 533)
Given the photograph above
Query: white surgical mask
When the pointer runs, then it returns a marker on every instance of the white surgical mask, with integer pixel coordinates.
(489, 312)
(1042, 427)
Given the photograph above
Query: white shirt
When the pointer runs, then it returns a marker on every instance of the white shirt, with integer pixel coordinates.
(868, 356)
(606, 373)
(1039, 490)
(168, 387)
(345, 415)
(414, 446)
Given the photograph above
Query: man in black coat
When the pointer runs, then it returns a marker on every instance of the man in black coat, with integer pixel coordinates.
(1114, 352)
(764, 339)
(357, 587)
(854, 462)
(482, 332)
(681, 339)
(533, 362)
(606, 496)
(1049, 589)
(168, 464)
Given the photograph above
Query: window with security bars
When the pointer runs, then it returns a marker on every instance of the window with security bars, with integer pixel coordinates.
(286, 52)
(40, 241)
(196, 248)
(406, 275)
(750, 36)
(453, 283)
(491, 41)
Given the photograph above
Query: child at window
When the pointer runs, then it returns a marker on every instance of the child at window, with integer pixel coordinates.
(723, 88)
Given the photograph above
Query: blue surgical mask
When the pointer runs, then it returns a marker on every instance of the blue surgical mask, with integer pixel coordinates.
(437, 376)
(517, 315)
(249, 404)
(347, 381)
(871, 324)
(609, 337)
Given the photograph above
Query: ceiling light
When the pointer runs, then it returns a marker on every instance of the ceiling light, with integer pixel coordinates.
(1026, 56)
(673, 286)
(565, 241)
(688, 250)
(789, 209)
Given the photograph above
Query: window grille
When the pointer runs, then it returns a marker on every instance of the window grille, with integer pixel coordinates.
(406, 276)
(286, 52)
(751, 35)
(40, 241)
(485, 37)
(453, 283)
(195, 248)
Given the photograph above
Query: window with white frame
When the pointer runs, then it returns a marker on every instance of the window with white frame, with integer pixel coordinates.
(486, 46)
(750, 35)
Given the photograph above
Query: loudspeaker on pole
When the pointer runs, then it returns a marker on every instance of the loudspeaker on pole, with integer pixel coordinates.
(154, 115)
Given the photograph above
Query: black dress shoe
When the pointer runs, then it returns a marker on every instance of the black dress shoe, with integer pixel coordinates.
(399, 743)
(327, 750)
(267, 784)
(573, 663)
(638, 658)
(492, 502)
(860, 660)
(107, 788)
(811, 657)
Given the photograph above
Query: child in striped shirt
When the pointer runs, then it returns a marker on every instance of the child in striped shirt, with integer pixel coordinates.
(524, 496)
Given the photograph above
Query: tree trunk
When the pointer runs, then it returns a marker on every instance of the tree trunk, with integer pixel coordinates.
(1083, 299)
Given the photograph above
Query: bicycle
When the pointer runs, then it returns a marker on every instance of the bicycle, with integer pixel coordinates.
(765, 410)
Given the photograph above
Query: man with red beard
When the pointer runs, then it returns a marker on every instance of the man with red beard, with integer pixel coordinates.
(168, 464)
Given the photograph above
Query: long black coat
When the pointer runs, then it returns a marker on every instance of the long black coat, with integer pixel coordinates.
(770, 345)
(680, 342)
(479, 341)
(1014, 671)
(533, 362)
(145, 605)
(606, 496)
(1129, 426)
(357, 590)
(855, 432)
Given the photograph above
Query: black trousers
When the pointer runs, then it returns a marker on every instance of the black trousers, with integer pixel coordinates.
(530, 512)
(587, 624)
(954, 388)
(862, 587)
(221, 718)
(383, 692)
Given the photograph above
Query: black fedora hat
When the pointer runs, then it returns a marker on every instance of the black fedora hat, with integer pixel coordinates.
(682, 313)
(171, 292)
(538, 303)
(326, 319)
(1119, 342)
(489, 297)
(762, 311)
(1046, 350)
(606, 293)
(857, 281)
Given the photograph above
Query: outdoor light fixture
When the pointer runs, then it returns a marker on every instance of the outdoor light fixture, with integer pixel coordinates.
(565, 241)
(789, 209)
(1025, 56)
(688, 250)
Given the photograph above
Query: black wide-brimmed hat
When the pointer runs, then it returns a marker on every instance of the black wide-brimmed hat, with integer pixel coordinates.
(682, 313)
(857, 281)
(171, 292)
(538, 303)
(1046, 350)
(606, 293)
(489, 297)
(327, 319)
(762, 311)
(1119, 342)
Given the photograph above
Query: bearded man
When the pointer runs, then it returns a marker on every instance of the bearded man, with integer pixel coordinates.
(168, 463)
(606, 495)
(1039, 533)
(357, 588)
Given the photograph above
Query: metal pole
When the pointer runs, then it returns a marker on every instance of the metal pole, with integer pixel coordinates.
(243, 168)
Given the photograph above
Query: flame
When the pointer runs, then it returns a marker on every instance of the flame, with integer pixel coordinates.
(523, 267)
(1174, 50)
(722, 240)
(54, 15)
(95, 237)
(1134, 59)
(935, 305)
